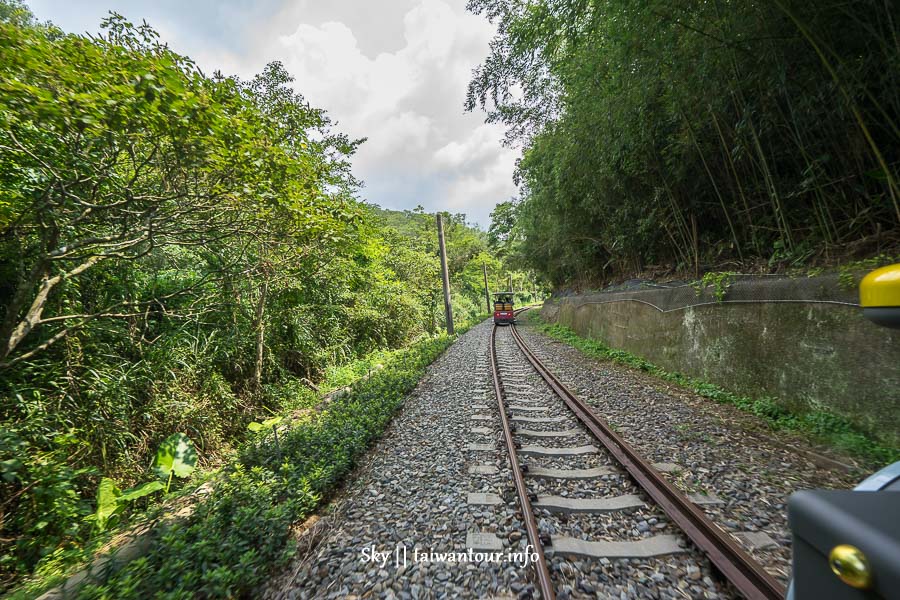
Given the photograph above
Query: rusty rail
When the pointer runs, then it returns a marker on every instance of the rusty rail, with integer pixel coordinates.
(736, 565)
(540, 567)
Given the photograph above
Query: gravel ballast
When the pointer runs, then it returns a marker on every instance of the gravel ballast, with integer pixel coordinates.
(411, 493)
(718, 449)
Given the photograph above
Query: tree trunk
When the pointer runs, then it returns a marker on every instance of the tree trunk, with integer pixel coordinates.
(14, 336)
(260, 334)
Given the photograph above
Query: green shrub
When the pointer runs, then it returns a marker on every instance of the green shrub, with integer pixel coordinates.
(47, 491)
(241, 533)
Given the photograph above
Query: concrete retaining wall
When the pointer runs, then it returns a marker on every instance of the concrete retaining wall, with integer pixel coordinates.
(761, 340)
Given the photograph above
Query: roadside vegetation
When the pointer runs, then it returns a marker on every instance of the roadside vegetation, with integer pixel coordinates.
(823, 427)
(183, 254)
(674, 138)
(240, 534)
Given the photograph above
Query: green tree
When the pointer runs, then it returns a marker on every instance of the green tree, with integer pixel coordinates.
(685, 135)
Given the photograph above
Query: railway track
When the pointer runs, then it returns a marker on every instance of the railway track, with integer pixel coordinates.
(746, 576)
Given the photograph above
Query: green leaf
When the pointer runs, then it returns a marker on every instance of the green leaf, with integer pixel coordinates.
(878, 174)
(107, 501)
(267, 424)
(272, 422)
(8, 469)
(140, 491)
(176, 455)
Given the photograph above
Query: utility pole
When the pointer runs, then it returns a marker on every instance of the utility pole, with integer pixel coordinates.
(487, 293)
(445, 276)
(510, 283)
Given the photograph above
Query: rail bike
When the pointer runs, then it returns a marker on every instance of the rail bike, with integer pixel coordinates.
(504, 311)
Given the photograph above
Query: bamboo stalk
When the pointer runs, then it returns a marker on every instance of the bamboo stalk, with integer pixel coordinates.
(737, 243)
(892, 184)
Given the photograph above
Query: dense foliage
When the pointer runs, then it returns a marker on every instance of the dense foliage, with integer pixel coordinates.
(178, 253)
(238, 536)
(685, 135)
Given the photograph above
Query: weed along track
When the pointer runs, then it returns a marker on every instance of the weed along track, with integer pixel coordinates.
(595, 515)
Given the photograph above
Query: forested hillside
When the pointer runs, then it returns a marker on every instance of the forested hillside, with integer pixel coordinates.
(685, 136)
(179, 252)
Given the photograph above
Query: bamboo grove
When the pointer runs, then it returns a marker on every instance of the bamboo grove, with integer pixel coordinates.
(179, 252)
(695, 135)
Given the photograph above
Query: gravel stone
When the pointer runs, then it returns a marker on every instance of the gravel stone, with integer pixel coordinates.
(411, 491)
(702, 447)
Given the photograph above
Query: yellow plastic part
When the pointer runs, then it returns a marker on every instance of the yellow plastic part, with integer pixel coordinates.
(881, 288)
(851, 566)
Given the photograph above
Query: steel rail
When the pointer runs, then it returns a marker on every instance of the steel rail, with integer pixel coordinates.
(736, 565)
(540, 566)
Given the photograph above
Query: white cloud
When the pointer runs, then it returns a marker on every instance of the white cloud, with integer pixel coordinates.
(477, 191)
(478, 147)
(422, 148)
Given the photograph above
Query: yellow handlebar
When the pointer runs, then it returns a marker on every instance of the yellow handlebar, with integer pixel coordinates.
(879, 296)
(881, 287)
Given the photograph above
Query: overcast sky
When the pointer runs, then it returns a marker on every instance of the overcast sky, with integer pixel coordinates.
(394, 71)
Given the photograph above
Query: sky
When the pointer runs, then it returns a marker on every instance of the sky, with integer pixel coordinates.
(393, 71)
